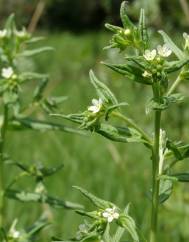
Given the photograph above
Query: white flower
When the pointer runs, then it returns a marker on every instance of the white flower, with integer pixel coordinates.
(15, 234)
(21, 34)
(97, 105)
(7, 72)
(146, 74)
(150, 55)
(3, 33)
(186, 37)
(164, 50)
(110, 214)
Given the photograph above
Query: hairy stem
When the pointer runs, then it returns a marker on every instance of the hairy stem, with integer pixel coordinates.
(131, 123)
(155, 167)
(155, 180)
(2, 142)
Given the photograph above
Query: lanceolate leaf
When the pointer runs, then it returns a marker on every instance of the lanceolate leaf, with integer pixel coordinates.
(119, 134)
(142, 29)
(178, 52)
(181, 177)
(102, 90)
(124, 18)
(166, 187)
(40, 198)
(128, 223)
(28, 53)
(95, 200)
(130, 70)
(37, 227)
(175, 65)
(27, 123)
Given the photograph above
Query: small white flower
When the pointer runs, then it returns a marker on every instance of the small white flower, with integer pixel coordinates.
(186, 37)
(7, 72)
(3, 33)
(146, 74)
(110, 214)
(15, 234)
(150, 55)
(164, 50)
(22, 33)
(97, 105)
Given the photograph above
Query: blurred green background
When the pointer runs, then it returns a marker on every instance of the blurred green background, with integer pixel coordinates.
(117, 172)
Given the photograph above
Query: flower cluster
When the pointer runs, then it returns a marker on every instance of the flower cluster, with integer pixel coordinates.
(22, 34)
(162, 51)
(110, 214)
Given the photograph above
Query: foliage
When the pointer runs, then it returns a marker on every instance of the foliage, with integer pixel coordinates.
(18, 114)
(150, 67)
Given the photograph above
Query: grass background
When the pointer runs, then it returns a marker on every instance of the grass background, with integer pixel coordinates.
(117, 172)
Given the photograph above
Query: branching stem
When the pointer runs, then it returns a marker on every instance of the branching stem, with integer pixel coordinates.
(132, 124)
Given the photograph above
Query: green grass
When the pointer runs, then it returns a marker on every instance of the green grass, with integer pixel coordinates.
(117, 172)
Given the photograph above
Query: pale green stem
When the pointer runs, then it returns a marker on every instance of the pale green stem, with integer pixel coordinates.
(176, 83)
(131, 123)
(2, 142)
(155, 167)
(155, 180)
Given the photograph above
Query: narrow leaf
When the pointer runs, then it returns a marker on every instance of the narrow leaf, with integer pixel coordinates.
(178, 52)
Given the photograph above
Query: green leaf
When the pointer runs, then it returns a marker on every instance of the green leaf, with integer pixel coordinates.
(166, 187)
(28, 53)
(142, 29)
(120, 231)
(95, 200)
(10, 97)
(106, 235)
(175, 149)
(23, 196)
(10, 22)
(102, 90)
(124, 18)
(164, 103)
(75, 118)
(38, 92)
(34, 40)
(130, 70)
(181, 177)
(178, 52)
(128, 223)
(37, 227)
(27, 123)
(113, 28)
(173, 66)
(25, 76)
(119, 134)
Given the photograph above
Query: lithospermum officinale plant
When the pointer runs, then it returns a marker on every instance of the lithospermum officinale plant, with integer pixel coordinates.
(21, 114)
(146, 65)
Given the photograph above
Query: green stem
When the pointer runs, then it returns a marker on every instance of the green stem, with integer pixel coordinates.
(131, 123)
(155, 182)
(176, 83)
(155, 166)
(3, 129)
